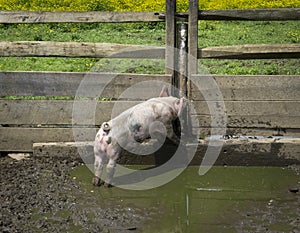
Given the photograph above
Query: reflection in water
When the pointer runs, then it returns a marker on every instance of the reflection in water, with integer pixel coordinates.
(226, 199)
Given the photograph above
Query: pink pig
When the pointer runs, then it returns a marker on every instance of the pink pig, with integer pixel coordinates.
(152, 119)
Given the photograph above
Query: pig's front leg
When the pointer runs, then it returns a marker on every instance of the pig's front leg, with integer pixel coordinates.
(100, 155)
(98, 167)
(171, 134)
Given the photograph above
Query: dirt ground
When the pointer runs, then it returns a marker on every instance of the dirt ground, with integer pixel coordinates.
(38, 195)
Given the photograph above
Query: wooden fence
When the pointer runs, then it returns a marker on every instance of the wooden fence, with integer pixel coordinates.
(255, 105)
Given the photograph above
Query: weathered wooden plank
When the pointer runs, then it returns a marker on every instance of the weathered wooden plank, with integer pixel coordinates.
(248, 131)
(83, 84)
(181, 60)
(251, 14)
(250, 108)
(251, 51)
(22, 139)
(77, 17)
(101, 50)
(52, 112)
(250, 121)
(170, 36)
(192, 41)
(275, 14)
(247, 88)
(88, 112)
(78, 49)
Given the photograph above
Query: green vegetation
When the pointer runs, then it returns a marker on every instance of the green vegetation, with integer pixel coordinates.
(238, 33)
(137, 5)
(211, 33)
(50, 5)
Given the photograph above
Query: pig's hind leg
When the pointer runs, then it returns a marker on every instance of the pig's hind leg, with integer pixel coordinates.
(98, 167)
(113, 154)
(110, 171)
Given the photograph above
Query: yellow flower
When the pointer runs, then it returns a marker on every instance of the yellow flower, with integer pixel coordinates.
(138, 5)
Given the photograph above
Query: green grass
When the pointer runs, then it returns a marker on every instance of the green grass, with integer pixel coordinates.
(211, 33)
(237, 33)
(216, 33)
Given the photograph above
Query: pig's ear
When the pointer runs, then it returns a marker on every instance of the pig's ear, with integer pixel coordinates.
(164, 92)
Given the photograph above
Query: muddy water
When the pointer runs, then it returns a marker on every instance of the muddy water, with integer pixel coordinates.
(226, 199)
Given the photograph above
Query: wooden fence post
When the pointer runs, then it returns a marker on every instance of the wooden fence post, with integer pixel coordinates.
(170, 36)
(192, 43)
(186, 48)
(181, 72)
(181, 75)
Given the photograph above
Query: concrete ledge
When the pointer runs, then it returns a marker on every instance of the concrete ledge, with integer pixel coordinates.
(234, 152)
(84, 151)
(254, 152)
(63, 149)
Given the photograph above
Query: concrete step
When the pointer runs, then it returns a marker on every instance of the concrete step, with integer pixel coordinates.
(231, 152)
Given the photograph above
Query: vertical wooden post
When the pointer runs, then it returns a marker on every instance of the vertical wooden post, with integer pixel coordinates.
(181, 75)
(192, 42)
(170, 36)
(181, 59)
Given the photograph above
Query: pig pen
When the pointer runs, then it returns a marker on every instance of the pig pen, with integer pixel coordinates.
(51, 191)
(253, 187)
(250, 188)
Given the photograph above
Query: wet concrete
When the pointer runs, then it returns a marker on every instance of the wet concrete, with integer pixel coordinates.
(56, 195)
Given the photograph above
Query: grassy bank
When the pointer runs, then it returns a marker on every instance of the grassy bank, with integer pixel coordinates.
(215, 33)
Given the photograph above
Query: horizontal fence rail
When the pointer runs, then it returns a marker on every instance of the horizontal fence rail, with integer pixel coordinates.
(114, 17)
(66, 84)
(109, 50)
(56, 113)
(251, 51)
(241, 87)
(78, 49)
(252, 14)
(244, 14)
(77, 17)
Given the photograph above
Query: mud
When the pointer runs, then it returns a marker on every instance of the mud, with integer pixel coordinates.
(55, 195)
(38, 195)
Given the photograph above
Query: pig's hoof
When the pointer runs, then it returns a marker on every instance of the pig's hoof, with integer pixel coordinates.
(97, 181)
(107, 185)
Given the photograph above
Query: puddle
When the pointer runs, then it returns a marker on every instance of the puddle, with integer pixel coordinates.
(226, 199)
